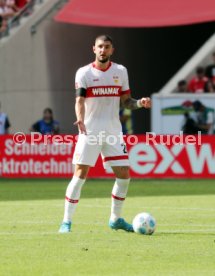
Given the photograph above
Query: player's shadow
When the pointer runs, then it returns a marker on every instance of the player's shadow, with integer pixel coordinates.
(28, 189)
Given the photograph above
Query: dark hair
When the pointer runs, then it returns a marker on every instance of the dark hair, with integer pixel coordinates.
(48, 109)
(104, 38)
(197, 105)
(182, 82)
(200, 70)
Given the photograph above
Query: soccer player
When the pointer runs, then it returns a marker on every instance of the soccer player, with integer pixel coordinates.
(100, 86)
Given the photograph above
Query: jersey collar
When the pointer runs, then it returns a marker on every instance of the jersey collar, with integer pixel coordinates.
(103, 70)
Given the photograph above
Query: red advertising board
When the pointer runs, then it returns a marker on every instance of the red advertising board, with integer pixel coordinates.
(150, 157)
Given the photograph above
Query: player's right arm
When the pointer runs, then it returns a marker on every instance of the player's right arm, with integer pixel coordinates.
(80, 112)
(81, 91)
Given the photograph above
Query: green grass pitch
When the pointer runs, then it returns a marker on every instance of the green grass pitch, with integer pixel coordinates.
(183, 244)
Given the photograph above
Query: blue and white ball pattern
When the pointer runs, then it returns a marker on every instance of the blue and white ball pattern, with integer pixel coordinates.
(144, 223)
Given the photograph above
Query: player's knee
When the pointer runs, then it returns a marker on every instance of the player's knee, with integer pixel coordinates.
(81, 171)
(122, 172)
(125, 175)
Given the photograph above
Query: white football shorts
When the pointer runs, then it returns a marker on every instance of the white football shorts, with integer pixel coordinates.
(113, 151)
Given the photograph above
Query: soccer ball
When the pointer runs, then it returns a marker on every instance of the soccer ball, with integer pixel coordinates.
(144, 223)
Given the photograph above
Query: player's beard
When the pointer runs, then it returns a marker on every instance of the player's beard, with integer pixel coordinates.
(104, 60)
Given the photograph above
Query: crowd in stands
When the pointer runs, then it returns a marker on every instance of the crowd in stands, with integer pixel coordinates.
(46, 125)
(9, 9)
(202, 82)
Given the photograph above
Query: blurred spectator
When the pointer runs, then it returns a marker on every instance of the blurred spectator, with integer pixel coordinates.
(189, 125)
(126, 120)
(197, 84)
(3, 24)
(209, 87)
(204, 118)
(210, 70)
(47, 125)
(5, 11)
(4, 122)
(182, 86)
(11, 6)
(21, 3)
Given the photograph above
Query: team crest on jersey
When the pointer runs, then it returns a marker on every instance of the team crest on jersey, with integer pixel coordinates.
(116, 79)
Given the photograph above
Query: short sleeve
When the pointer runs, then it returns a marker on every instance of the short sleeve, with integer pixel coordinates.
(125, 82)
(80, 80)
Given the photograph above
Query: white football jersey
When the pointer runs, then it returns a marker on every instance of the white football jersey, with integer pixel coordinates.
(103, 91)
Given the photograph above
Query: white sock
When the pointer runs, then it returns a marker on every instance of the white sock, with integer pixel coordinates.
(119, 193)
(73, 193)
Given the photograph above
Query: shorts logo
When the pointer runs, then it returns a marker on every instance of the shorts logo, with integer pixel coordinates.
(77, 156)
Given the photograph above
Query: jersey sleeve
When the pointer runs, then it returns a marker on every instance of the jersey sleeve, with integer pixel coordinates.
(125, 82)
(80, 84)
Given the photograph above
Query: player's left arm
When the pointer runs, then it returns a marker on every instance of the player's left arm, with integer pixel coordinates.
(130, 103)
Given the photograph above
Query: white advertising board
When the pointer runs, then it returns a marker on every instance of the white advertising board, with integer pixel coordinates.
(167, 113)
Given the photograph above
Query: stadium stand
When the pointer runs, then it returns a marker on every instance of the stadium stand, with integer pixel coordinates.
(198, 82)
(202, 82)
(11, 11)
(202, 58)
